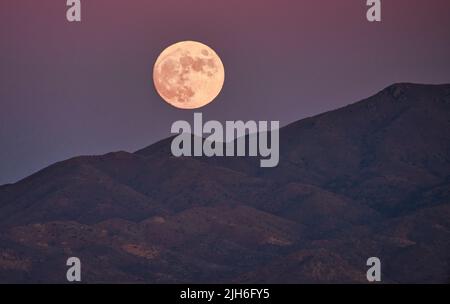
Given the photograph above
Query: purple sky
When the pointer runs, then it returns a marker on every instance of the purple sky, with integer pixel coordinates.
(70, 89)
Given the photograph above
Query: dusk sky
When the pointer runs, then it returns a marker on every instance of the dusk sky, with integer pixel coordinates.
(70, 89)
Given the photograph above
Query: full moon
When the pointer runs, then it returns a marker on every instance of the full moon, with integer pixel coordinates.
(188, 75)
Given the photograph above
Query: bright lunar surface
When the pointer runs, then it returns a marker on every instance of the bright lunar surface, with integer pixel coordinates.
(188, 75)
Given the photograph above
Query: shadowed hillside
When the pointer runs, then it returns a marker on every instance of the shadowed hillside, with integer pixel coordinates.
(369, 179)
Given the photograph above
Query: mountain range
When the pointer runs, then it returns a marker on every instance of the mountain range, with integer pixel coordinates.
(371, 179)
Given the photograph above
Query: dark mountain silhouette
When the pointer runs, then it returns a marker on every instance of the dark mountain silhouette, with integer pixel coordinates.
(369, 179)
